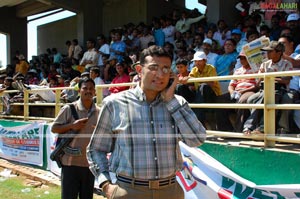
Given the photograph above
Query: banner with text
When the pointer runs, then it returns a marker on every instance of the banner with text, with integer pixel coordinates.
(204, 177)
(22, 143)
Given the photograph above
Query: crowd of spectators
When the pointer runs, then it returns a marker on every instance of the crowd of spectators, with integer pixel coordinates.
(199, 49)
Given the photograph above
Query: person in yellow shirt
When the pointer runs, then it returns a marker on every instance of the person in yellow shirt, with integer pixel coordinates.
(206, 92)
(21, 65)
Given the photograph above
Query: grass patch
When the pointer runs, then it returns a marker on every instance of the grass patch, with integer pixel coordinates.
(16, 188)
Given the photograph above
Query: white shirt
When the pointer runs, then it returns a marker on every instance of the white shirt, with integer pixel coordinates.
(90, 55)
(105, 50)
(169, 32)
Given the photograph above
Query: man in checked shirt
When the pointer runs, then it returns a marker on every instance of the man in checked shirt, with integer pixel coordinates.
(141, 128)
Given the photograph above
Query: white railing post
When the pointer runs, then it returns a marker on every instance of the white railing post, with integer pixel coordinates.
(269, 114)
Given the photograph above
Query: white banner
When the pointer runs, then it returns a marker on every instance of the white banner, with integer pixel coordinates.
(22, 143)
(203, 177)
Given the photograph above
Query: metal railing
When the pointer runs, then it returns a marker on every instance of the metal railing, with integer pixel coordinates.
(268, 106)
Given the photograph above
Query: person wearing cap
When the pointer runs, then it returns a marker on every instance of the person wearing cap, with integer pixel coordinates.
(292, 22)
(141, 128)
(136, 70)
(206, 47)
(254, 123)
(90, 57)
(239, 90)
(236, 34)
(206, 92)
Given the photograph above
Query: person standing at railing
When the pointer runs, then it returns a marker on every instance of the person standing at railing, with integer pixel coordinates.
(239, 90)
(292, 95)
(255, 122)
(77, 180)
(141, 128)
(206, 92)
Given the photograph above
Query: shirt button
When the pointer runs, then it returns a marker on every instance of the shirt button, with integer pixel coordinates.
(155, 158)
(154, 139)
(151, 122)
(173, 126)
(156, 177)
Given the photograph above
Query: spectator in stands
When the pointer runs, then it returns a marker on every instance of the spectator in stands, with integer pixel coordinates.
(122, 77)
(77, 54)
(69, 71)
(118, 47)
(275, 27)
(225, 63)
(183, 88)
(206, 92)
(146, 38)
(239, 90)
(110, 69)
(102, 51)
(184, 23)
(57, 57)
(70, 49)
(292, 23)
(5, 98)
(169, 31)
(90, 57)
(95, 75)
(292, 94)
(77, 179)
(135, 43)
(255, 122)
(31, 77)
(68, 95)
(22, 65)
(211, 57)
(236, 34)
(223, 33)
(198, 39)
(159, 36)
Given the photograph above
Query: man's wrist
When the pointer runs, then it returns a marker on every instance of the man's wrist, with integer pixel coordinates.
(104, 184)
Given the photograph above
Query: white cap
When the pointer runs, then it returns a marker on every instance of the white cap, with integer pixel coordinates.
(207, 41)
(199, 55)
(292, 17)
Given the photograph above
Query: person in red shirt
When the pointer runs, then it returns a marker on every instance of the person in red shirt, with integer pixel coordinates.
(122, 77)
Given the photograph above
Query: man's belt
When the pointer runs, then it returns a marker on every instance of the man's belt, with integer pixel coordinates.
(151, 184)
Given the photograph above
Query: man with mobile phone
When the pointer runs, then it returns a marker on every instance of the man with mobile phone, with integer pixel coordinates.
(141, 128)
(76, 178)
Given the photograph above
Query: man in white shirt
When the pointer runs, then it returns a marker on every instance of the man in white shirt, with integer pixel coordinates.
(206, 47)
(90, 57)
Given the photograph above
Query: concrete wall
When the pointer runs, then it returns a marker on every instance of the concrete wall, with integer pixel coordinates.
(118, 13)
(56, 34)
(16, 29)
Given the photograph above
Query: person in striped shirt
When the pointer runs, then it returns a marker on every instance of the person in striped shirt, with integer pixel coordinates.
(141, 127)
(239, 90)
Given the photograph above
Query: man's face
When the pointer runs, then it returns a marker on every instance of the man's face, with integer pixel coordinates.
(181, 68)
(206, 47)
(200, 64)
(87, 91)
(236, 37)
(291, 24)
(155, 74)
(287, 45)
(273, 55)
